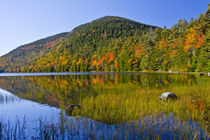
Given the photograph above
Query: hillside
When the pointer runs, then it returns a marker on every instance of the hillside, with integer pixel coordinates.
(25, 54)
(88, 34)
(117, 44)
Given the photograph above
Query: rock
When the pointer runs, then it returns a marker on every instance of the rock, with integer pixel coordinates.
(167, 95)
(201, 74)
(176, 72)
(71, 108)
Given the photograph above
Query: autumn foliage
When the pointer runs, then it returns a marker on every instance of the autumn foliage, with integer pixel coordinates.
(117, 44)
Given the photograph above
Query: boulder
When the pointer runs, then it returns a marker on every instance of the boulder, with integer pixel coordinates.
(71, 108)
(201, 74)
(167, 95)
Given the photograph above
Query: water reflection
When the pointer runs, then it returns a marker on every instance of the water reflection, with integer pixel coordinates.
(18, 115)
(54, 88)
(149, 127)
(116, 105)
(8, 98)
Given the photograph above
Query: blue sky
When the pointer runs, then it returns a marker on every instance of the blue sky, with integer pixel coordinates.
(24, 21)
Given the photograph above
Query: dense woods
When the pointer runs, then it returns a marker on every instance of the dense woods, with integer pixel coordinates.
(118, 44)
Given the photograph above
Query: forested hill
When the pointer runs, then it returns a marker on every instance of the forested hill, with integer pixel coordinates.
(118, 44)
(92, 33)
(25, 54)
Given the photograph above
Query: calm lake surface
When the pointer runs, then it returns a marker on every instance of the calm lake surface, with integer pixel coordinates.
(113, 106)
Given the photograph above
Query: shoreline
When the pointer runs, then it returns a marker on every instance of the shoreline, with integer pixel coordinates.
(97, 72)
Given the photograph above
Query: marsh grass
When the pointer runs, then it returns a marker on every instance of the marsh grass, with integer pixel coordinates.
(113, 105)
(125, 107)
(8, 130)
(149, 127)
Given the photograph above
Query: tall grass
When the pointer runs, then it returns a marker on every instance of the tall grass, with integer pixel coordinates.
(111, 105)
(122, 107)
(149, 127)
(10, 131)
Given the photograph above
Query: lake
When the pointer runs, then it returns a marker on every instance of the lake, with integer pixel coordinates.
(111, 106)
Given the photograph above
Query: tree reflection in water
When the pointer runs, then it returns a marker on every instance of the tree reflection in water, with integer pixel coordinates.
(119, 105)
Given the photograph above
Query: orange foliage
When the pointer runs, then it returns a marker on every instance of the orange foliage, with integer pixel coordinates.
(93, 61)
(200, 39)
(105, 57)
(102, 35)
(79, 83)
(134, 62)
(86, 83)
(173, 54)
(115, 63)
(197, 104)
(78, 34)
(166, 82)
(183, 68)
(193, 39)
(100, 61)
(85, 62)
(165, 62)
(190, 38)
(94, 81)
(94, 56)
(83, 34)
(176, 43)
(139, 51)
(116, 79)
(53, 43)
(80, 59)
(31, 67)
(111, 57)
(162, 44)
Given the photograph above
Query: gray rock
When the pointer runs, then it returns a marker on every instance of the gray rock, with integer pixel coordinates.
(167, 95)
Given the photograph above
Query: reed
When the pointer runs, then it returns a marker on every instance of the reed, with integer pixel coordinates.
(149, 127)
(120, 107)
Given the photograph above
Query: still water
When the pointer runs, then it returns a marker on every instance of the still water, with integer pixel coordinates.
(113, 106)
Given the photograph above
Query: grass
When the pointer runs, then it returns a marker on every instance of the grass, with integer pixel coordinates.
(111, 105)
(12, 131)
(124, 106)
(149, 127)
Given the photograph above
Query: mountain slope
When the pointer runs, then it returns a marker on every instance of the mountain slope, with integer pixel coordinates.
(26, 53)
(88, 34)
(119, 44)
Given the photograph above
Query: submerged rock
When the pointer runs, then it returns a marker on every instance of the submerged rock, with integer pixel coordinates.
(201, 74)
(71, 108)
(167, 95)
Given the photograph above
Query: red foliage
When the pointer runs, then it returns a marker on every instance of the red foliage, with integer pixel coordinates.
(85, 62)
(100, 61)
(111, 57)
(93, 61)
